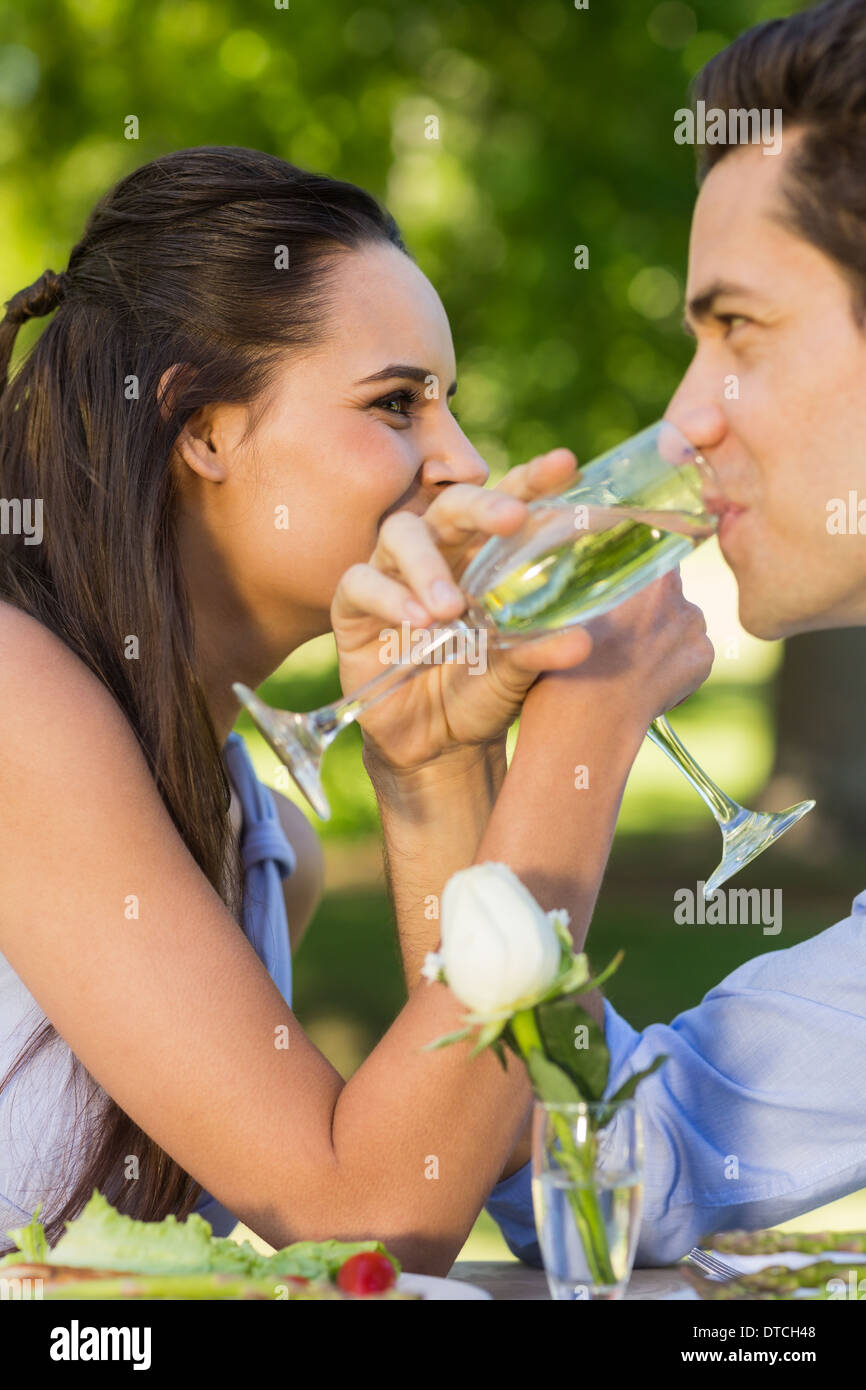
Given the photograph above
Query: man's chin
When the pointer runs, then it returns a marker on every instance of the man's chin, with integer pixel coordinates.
(769, 626)
(773, 627)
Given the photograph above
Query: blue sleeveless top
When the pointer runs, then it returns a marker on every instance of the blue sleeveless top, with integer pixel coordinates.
(267, 859)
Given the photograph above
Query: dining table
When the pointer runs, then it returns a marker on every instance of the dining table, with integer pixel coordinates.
(512, 1280)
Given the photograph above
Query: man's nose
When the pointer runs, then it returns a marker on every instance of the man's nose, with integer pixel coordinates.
(702, 422)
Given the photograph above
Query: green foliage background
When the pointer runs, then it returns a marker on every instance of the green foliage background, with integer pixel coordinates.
(555, 129)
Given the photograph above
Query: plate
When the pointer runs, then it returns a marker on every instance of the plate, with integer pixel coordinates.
(440, 1290)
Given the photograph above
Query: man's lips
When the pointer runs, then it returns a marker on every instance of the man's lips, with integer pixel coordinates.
(728, 515)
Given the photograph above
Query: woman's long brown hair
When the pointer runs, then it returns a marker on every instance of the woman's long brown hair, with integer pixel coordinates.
(215, 260)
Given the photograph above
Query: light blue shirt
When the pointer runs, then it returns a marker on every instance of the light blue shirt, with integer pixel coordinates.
(759, 1113)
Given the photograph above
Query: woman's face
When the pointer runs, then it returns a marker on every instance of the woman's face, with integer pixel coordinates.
(353, 429)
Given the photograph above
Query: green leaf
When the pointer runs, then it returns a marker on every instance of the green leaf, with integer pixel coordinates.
(500, 1053)
(628, 1088)
(605, 975)
(487, 1035)
(550, 1082)
(30, 1240)
(446, 1039)
(626, 1091)
(313, 1259)
(587, 1066)
(103, 1238)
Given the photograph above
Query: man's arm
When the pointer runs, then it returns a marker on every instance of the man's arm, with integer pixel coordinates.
(757, 1115)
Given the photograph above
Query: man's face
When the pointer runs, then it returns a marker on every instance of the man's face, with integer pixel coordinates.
(775, 398)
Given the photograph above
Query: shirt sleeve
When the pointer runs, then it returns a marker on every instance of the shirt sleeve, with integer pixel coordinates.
(757, 1114)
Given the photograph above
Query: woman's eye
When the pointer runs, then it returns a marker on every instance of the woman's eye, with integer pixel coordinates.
(732, 321)
(397, 403)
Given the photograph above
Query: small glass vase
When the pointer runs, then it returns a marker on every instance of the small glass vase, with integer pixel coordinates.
(587, 1194)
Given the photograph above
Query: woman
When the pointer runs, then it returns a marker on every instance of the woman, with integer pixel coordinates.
(238, 342)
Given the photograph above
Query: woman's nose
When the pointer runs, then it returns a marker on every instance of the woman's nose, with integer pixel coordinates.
(454, 461)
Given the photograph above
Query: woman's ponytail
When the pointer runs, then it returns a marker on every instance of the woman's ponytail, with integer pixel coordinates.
(33, 302)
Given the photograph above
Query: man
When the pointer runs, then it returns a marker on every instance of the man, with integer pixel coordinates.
(759, 1114)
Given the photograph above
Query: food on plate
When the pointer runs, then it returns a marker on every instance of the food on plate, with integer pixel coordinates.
(773, 1282)
(771, 1242)
(103, 1254)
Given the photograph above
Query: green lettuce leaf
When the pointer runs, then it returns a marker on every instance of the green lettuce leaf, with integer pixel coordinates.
(101, 1238)
(313, 1259)
(30, 1240)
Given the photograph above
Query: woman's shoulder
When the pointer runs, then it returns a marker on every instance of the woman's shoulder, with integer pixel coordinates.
(50, 699)
(26, 645)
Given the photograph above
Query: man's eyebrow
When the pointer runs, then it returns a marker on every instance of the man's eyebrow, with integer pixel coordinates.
(406, 373)
(700, 307)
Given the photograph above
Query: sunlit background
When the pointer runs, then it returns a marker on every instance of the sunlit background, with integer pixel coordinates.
(555, 130)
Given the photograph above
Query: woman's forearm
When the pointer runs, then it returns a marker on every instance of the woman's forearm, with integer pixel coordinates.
(432, 824)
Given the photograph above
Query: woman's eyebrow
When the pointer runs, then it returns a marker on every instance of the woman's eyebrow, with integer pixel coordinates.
(407, 373)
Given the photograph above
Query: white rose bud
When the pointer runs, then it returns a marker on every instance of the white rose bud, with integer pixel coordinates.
(498, 944)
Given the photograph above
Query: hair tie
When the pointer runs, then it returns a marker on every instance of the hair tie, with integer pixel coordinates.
(39, 298)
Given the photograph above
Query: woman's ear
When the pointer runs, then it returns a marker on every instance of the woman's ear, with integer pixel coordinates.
(197, 445)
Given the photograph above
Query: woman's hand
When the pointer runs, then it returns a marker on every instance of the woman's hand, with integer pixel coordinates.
(449, 705)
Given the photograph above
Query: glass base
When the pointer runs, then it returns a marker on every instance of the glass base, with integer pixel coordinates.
(744, 838)
(563, 1292)
(289, 736)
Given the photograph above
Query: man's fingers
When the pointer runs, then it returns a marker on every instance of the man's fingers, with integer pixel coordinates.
(555, 651)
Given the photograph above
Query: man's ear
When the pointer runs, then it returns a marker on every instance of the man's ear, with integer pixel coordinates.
(196, 445)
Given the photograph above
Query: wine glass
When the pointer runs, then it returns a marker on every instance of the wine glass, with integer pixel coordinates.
(633, 515)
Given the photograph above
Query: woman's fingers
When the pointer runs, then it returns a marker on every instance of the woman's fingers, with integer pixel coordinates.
(423, 551)
(463, 516)
(365, 591)
(462, 510)
(548, 473)
(409, 545)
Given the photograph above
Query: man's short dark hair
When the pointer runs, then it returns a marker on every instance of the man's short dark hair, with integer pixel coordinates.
(811, 67)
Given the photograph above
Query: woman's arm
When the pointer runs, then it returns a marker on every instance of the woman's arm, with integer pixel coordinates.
(174, 1015)
(432, 823)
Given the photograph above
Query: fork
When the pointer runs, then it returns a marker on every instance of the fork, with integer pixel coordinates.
(708, 1264)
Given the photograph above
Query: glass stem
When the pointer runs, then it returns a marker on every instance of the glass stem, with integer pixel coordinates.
(332, 719)
(722, 807)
